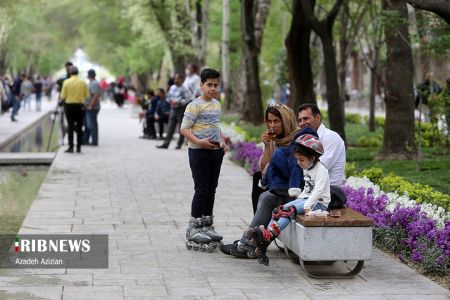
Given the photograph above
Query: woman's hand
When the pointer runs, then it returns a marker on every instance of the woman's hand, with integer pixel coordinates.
(265, 138)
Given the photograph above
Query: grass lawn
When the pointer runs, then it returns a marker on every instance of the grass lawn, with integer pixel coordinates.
(435, 166)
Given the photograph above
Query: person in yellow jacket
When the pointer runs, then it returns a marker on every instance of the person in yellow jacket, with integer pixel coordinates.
(74, 92)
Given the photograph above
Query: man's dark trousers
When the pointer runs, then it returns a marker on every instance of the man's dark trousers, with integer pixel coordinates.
(74, 115)
(175, 118)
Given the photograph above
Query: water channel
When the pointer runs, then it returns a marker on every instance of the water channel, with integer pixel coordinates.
(19, 185)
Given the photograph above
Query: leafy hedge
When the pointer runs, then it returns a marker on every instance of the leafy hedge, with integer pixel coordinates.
(394, 183)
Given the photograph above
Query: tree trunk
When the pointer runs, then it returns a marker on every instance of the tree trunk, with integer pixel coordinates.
(343, 46)
(179, 45)
(398, 139)
(253, 111)
(335, 104)
(374, 70)
(204, 34)
(179, 64)
(424, 56)
(299, 59)
(324, 29)
(226, 55)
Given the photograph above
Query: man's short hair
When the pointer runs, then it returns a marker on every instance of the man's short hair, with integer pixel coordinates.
(314, 109)
(179, 75)
(193, 67)
(209, 74)
(68, 64)
(73, 70)
(91, 73)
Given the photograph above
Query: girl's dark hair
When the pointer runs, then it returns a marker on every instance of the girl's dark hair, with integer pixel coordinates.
(209, 74)
(300, 149)
(273, 111)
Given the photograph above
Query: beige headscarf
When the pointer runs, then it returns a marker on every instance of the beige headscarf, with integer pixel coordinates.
(289, 126)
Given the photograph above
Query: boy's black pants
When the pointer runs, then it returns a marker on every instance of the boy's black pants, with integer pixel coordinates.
(205, 166)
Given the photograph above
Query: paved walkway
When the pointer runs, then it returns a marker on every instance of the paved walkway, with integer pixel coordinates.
(141, 197)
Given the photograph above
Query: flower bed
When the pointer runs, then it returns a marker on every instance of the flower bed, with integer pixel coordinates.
(410, 230)
(421, 193)
(416, 232)
(247, 154)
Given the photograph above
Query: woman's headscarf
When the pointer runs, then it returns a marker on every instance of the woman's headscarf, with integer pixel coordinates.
(290, 128)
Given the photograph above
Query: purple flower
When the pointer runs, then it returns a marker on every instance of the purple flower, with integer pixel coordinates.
(416, 256)
(248, 155)
(422, 232)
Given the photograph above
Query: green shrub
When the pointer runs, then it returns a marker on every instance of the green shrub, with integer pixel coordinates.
(394, 183)
(430, 135)
(353, 118)
(373, 141)
(350, 169)
(253, 133)
(379, 122)
(374, 174)
(416, 191)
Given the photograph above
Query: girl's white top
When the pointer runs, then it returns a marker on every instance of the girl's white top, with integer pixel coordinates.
(317, 186)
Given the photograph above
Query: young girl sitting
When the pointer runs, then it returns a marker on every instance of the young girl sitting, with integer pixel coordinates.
(314, 196)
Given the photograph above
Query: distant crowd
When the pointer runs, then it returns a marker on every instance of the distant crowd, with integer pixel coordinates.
(22, 91)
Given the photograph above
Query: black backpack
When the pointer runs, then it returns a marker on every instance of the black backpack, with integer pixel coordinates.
(338, 198)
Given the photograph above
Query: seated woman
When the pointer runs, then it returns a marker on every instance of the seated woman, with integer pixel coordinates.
(282, 174)
(314, 196)
(282, 127)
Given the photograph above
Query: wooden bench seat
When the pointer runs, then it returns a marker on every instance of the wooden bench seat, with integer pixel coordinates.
(346, 238)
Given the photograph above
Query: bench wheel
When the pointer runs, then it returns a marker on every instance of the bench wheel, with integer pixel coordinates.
(352, 273)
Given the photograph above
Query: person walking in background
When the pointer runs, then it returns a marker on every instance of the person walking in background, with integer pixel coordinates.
(16, 87)
(162, 111)
(104, 87)
(59, 84)
(120, 92)
(92, 106)
(47, 88)
(3, 96)
(38, 92)
(178, 98)
(192, 81)
(74, 93)
(152, 102)
(26, 90)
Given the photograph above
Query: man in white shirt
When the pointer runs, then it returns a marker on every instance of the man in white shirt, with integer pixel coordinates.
(192, 82)
(333, 157)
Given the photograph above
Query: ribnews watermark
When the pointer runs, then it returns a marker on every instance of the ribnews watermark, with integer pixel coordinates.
(72, 251)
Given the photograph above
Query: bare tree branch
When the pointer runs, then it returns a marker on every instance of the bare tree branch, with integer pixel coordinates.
(439, 7)
(334, 12)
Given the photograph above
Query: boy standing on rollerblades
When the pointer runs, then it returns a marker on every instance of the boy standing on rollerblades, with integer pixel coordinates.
(206, 150)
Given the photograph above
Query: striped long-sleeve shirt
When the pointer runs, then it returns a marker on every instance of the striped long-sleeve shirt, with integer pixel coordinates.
(203, 118)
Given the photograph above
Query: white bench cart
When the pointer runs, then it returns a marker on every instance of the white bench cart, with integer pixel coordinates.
(326, 240)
